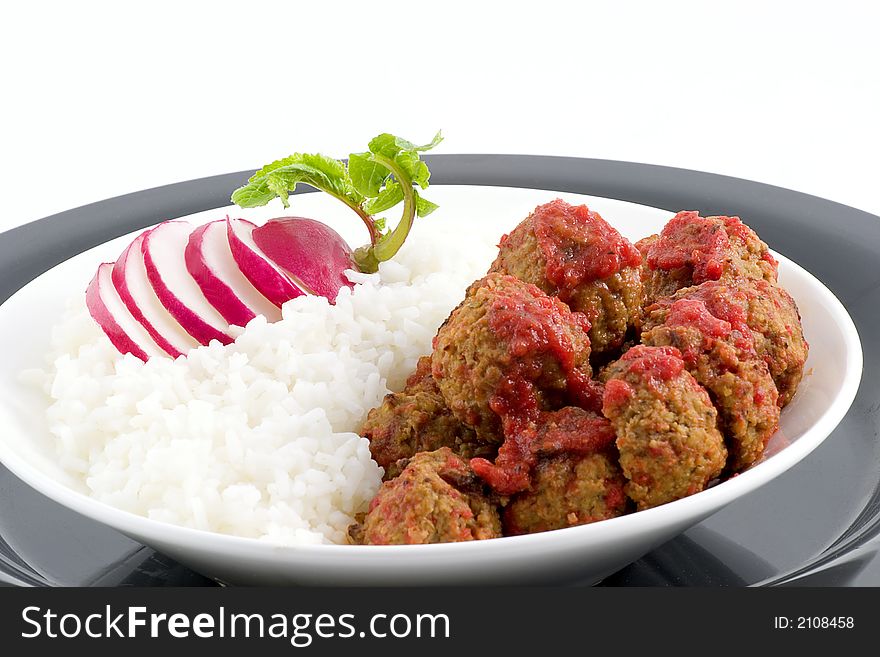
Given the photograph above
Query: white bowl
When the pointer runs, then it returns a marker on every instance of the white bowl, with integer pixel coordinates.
(587, 552)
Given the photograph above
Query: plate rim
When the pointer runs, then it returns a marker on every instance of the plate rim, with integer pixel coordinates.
(439, 179)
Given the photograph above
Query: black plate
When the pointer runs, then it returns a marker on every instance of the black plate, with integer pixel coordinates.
(818, 523)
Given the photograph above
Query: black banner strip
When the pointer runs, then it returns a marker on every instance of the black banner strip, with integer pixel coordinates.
(280, 621)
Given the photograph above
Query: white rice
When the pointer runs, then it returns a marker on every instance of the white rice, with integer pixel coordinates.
(256, 438)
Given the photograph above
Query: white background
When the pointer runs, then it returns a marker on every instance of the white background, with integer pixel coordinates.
(101, 99)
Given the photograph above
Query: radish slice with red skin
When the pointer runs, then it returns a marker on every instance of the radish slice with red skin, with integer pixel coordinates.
(107, 309)
(163, 249)
(130, 280)
(309, 251)
(209, 261)
(263, 274)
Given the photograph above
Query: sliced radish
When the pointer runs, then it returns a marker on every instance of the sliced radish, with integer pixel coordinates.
(272, 283)
(209, 261)
(107, 309)
(130, 280)
(163, 249)
(309, 251)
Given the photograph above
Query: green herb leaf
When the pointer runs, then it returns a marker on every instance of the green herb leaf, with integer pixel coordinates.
(387, 199)
(253, 195)
(424, 207)
(372, 182)
(367, 176)
(289, 176)
(318, 171)
(388, 145)
(280, 182)
(431, 144)
(327, 165)
(281, 177)
(416, 169)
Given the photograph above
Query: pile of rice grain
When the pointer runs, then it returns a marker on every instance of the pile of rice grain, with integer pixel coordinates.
(255, 438)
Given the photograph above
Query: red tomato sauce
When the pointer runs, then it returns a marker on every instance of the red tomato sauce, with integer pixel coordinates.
(579, 246)
(650, 363)
(689, 240)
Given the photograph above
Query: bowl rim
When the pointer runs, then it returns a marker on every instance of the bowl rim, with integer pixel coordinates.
(698, 505)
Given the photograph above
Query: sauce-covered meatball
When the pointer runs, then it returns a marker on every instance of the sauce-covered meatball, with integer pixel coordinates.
(436, 499)
(506, 336)
(531, 435)
(504, 430)
(572, 253)
(568, 489)
(723, 360)
(670, 446)
(692, 249)
(769, 313)
(417, 420)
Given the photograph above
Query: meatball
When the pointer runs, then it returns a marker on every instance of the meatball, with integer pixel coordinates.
(532, 434)
(568, 489)
(436, 499)
(572, 253)
(670, 446)
(692, 249)
(417, 420)
(509, 335)
(724, 361)
(766, 311)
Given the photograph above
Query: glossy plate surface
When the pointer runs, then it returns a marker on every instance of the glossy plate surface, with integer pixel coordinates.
(566, 553)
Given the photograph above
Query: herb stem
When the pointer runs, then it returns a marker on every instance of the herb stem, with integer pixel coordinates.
(387, 247)
(366, 218)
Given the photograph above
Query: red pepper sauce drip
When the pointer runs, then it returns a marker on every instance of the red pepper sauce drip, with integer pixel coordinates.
(693, 313)
(617, 393)
(663, 363)
(689, 240)
(572, 430)
(736, 227)
(530, 433)
(532, 324)
(584, 391)
(579, 246)
(652, 364)
(516, 403)
(731, 304)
